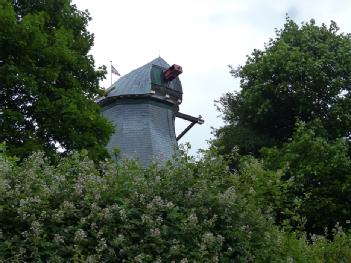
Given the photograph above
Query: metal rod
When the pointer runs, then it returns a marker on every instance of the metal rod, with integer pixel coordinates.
(111, 71)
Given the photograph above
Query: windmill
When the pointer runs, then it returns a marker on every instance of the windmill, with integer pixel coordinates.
(143, 105)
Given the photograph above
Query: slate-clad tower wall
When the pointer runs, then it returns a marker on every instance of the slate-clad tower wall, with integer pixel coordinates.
(142, 106)
(144, 130)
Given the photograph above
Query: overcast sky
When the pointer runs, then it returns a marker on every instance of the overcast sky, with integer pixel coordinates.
(203, 36)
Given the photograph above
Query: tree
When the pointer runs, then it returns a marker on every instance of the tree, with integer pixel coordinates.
(302, 74)
(317, 176)
(47, 80)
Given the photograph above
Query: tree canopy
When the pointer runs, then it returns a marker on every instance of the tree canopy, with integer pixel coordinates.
(293, 112)
(316, 173)
(304, 73)
(48, 82)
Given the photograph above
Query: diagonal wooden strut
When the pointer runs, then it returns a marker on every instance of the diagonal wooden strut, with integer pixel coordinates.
(193, 121)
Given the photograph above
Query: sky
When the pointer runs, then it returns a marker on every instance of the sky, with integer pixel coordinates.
(203, 36)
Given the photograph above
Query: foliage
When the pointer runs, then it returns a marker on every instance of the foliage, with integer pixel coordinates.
(297, 248)
(180, 212)
(47, 80)
(272, 192)
(318, 173)
(184, 212)
(304, 74)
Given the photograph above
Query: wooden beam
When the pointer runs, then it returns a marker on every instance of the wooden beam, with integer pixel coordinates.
(185, 131)
(187, 117)
(193, 121)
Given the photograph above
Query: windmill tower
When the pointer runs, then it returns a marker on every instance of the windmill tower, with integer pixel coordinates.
(143, 105)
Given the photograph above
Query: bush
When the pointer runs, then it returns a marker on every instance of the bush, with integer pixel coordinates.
(184, 212)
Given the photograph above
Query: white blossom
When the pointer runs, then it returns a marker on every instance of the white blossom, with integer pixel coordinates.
(80, 235)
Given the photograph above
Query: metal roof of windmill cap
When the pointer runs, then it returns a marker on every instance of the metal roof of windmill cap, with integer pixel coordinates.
(138, 81)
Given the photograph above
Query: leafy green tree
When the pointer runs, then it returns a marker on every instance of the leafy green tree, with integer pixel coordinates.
(316, 175)
(47, 80)
(304, 73)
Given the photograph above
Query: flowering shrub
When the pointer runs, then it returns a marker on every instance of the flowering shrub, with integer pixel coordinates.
(184, 212)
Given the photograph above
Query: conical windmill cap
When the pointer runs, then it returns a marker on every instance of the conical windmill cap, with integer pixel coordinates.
(138, 81)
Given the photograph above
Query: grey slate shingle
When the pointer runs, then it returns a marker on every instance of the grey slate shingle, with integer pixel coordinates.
(138, 81)
(144, 130)
(144, 127)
